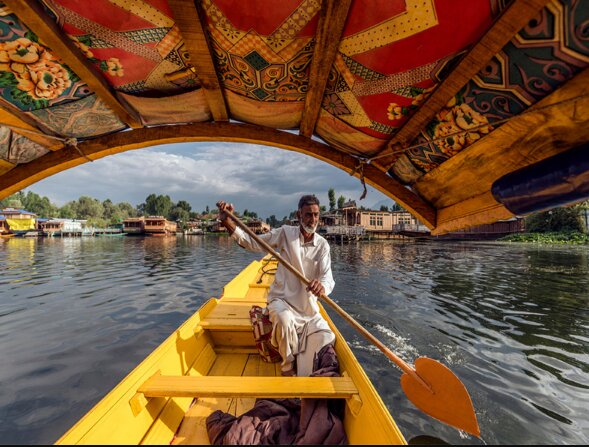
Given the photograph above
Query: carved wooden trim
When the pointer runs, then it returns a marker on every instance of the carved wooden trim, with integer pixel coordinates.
(187, 18)
(32, 14)
(327, 39)
(55, 162)
(511, 21)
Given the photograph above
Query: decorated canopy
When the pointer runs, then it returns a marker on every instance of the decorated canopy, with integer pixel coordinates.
(433, 102)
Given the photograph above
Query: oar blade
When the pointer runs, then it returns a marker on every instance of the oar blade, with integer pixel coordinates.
(447, 401)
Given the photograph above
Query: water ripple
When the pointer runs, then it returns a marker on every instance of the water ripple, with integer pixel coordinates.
(511, 321)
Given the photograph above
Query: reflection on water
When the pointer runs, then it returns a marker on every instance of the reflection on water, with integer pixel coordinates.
(77, 314)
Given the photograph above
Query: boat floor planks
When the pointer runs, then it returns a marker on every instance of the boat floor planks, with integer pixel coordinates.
(193, 428)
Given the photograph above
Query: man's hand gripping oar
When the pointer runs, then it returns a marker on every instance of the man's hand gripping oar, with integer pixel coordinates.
(430, 385)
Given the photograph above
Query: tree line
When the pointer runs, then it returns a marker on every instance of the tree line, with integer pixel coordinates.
(104, 213)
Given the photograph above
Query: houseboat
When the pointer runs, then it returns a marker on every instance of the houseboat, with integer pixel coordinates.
(159, 226)
(134, 226)
(19, 222)
(194, 231)
(258, 226)
(62, 227)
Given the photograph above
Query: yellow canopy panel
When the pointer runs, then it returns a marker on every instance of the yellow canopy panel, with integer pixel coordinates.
(21, 224)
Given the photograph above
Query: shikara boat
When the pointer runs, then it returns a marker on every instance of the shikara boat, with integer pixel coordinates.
(210, 363)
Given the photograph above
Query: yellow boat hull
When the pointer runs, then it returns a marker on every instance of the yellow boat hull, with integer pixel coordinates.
(210, 363)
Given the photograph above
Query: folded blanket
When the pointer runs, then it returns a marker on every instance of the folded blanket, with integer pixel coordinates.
(286, 421)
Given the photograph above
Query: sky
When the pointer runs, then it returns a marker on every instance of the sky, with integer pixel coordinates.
(263, 179)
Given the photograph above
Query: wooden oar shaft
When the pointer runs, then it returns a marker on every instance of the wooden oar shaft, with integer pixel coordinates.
(386, 351)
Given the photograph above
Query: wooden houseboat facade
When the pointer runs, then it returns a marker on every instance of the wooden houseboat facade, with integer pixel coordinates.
(159, 226)
(258, 226)
(134, 225)
(18, 222)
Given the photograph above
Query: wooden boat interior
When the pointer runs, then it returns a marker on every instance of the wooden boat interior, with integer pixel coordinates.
(211, 363)
(432, 102)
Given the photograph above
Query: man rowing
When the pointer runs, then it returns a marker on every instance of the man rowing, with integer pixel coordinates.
(298, 329)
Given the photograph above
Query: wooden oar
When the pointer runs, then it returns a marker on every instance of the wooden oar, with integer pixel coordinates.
(430, 385)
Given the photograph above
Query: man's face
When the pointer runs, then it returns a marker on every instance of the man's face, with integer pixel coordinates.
(309, 218)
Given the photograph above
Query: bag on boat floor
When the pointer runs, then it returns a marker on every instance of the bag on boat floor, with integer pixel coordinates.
(262, 327)
(286, 421)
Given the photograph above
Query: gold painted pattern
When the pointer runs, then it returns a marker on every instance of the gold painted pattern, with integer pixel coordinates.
(297, 20)
(145, 11)
(419, 16)
(397, 80)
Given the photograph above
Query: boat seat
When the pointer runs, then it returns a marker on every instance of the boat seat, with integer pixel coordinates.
(241, 386)
(229, 316)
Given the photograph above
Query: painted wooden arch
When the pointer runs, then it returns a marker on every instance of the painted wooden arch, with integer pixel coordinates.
(57, 161)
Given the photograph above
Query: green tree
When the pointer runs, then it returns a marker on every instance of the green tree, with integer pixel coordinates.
(341, 201)
(184, 205)
(179, 214)
(88, 208)
(332, 202)
(397, 207)
(109, 209)
(67, 211)
(159, 205)
(272, 221)
(557, 219)
(384, 208)
(34, 203)
(13, 201)
(126, 210)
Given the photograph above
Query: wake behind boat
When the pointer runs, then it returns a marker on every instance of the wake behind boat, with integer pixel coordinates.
(211, 363)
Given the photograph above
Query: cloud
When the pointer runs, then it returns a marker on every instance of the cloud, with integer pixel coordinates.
(254, 177)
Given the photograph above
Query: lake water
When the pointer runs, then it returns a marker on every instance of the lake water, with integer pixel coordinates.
(510, 320)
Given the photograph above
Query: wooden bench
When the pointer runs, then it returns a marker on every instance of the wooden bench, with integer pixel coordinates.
(241, 386)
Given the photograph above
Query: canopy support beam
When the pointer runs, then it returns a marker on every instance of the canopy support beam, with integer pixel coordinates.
(327, 39)
(188, 20)
(34, 17)
(511, 21)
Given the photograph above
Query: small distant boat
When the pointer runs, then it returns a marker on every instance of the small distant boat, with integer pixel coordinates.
(194, 232)
(159, 226)
(62, 227)
(211, 363)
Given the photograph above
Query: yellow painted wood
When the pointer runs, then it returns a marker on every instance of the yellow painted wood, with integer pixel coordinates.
(193, 429)
(164, 427)
(262, 387)
(235, 350)
(255, 367)
(233, 338)
(238, 287)
(124, 418)
(229, 324)
(112, 420)
(230, 311)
